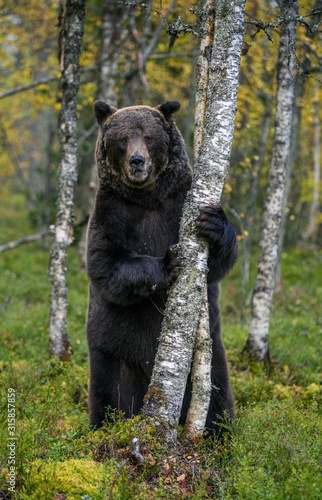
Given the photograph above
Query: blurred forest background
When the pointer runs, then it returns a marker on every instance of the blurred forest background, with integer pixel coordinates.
(276, 446)
(126, 60)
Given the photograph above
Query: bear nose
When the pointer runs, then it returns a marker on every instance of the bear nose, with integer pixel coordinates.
(137, 161)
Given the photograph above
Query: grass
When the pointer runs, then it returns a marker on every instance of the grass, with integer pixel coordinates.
(275, 451)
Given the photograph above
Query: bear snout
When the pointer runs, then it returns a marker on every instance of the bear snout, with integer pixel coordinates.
(138, 171)
(136, 161)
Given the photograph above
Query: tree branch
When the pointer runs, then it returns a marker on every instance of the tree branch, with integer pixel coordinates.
(261, 26)
(38, 83)
(26, 239)
(29, 86)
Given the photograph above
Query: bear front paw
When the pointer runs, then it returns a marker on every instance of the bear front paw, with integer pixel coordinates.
(211, 223)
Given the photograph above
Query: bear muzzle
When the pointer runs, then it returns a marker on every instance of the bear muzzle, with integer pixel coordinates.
(138, 170)
(137, 162)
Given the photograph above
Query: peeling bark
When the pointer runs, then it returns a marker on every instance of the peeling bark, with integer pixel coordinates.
(173, 360)
(257, 342)
(72, 13)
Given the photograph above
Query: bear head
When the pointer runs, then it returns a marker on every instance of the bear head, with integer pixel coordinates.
(137, 144)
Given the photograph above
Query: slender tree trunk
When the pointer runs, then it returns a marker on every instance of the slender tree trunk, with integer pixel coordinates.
(206, 39)
(257, 342)
(112, 19)
(135, 86)
(314, 207)
(201, 363)
(200, 375)
(250, 206)
(299, 92)
(72, 13)
(173, 360)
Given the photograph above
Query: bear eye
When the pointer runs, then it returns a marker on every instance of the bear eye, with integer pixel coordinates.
(123, 141)
(148, 138)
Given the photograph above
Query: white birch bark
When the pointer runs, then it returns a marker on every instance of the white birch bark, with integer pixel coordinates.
(257, 342)
(73, 12)
(201, 363)
(299, 91)
(173, 360)
(200, 375)
(206, 33)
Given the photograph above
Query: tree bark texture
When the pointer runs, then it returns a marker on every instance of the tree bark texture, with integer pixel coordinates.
(202, 354)
(72, 13)
(206, 35)
(257, 342)
(200, 375)
(173, 360)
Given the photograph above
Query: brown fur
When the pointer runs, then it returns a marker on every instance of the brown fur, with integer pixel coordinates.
(144, 177)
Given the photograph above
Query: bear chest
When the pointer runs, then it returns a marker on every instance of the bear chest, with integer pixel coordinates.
(152, 232)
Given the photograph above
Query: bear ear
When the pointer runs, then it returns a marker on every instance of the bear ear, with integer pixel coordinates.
(102, 111)
(168, 108)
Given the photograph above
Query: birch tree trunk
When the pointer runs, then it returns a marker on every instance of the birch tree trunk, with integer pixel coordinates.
(202, 354)
(113, 17)
(173, 359)
(251, 202)
(72, 13)
(299, 91)
(257, 342)
(314, 207)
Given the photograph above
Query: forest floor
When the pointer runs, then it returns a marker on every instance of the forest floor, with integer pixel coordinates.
(275, 451)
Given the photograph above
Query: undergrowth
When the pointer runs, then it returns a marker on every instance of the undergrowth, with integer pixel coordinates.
(275, 447)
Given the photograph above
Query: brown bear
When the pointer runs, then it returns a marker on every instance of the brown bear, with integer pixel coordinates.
(144, 176)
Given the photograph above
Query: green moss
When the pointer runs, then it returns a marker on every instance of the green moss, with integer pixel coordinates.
(73, 478)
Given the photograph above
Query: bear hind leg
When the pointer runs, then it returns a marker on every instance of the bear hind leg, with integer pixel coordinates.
(114, 385)
(221, 409)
